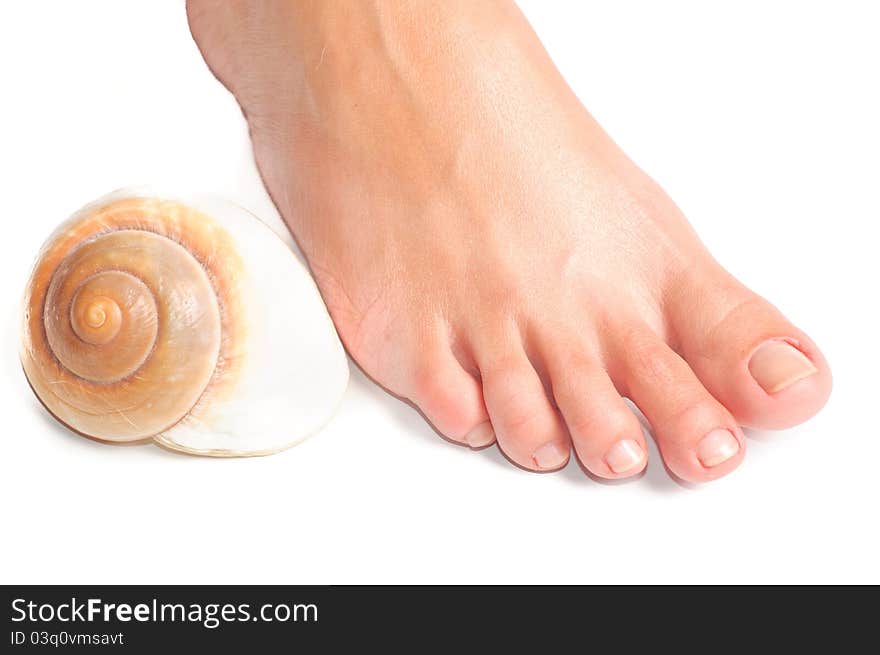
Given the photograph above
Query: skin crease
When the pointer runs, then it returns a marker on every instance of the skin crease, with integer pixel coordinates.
(484, 248)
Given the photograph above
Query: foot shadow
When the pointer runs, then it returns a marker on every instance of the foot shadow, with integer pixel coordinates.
(762, 436)
(657, 475)
(409, 417)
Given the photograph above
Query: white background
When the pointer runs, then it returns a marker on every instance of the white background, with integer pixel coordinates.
(760, 119)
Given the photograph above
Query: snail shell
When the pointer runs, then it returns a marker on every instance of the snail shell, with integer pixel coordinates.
(187, 322)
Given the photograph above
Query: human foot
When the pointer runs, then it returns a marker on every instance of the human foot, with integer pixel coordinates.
(485, 249)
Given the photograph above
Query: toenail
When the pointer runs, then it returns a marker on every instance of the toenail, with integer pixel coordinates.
(481, 436)
(777, 364)
(717, 447)
(624, 456)
(549, 456)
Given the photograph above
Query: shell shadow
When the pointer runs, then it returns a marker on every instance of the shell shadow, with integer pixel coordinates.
(83, 442)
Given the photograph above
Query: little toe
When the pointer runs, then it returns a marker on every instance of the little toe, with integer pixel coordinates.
(698, 438)
(452, 400)
(767, 372)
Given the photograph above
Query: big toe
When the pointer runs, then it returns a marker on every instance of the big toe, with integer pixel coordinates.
(767, 372)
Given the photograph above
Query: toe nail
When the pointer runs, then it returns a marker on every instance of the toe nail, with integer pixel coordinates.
(624, 456)
(481, 436)
(777, 365)
(717, 447)
(550, 456)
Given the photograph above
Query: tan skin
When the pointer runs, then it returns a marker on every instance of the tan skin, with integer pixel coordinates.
(487, 251)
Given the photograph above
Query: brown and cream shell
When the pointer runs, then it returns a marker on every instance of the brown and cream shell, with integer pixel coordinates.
(185, 321)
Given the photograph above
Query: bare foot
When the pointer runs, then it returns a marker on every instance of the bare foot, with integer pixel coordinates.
(487, 251)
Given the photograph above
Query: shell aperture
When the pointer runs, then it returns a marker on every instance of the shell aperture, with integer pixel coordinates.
(187, 322)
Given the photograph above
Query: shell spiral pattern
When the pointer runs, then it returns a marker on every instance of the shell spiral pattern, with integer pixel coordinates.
(118, 302)
(149, 318)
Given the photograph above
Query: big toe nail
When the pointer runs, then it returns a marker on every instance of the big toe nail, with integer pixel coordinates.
(776, 365)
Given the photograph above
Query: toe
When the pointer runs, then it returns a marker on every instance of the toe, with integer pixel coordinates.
(528, 428)
(767, 372)
(607, 436)
(698, 438)
(452, 400)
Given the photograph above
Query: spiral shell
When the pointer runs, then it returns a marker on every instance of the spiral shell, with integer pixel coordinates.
(190, 323)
